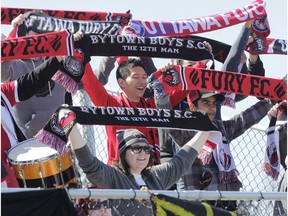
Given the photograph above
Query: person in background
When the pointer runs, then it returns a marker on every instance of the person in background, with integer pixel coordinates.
(231, 63)
(95, 207)
(279, 111)
(12, 93)
(133, 171)
(32, 114)
(207, 173)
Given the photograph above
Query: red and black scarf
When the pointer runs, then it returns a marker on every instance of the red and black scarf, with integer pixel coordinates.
(9, 13)
(189, 78)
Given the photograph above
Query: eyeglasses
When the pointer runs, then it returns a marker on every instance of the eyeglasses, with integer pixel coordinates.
(95, 205)
(137, 149)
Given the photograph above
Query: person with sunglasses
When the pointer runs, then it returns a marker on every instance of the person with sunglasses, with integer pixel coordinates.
(95, 207)
(133, 172)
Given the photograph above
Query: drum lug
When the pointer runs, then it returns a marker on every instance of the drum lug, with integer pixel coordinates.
(41, 175)
(60, 171)
(21, 173)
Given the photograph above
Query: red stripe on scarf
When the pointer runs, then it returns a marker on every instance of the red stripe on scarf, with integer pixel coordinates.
(50, 44)
(9, 13)
(189, 78)
(267, 46)
(210, 144)
(202, 24)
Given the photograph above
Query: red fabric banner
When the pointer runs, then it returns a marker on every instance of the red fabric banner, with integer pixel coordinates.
(49, 44)
(199, 25)
(267, 46)
(189, 78)
(8, 14)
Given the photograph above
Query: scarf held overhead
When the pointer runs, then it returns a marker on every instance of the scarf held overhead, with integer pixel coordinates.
(189, 78)
(43, 45)
(43, 24)
(107, 45)
(56, 131)
(267, 46)
(9, 13)
(199, 25)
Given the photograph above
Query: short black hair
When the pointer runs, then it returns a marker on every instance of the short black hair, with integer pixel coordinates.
(123, 70)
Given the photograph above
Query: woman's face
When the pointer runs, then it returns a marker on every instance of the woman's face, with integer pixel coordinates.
(137, 157)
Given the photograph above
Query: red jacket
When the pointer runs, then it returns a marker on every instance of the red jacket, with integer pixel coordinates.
(100, 97)
(8, 94)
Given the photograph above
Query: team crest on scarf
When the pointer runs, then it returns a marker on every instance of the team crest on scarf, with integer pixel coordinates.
(225, 159)
(63, 121)
(73, 65)
(260, 26)
(171, 77)
(272, 154)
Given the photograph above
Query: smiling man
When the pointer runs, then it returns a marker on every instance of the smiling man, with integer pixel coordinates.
(132, 79)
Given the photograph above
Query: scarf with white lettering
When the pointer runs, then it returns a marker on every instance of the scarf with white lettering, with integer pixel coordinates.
(272, 160)
(40, 24)
(201, 24)
(8, 14)
(55, 132)
(267, 46)
(189, 78)
(104, 45)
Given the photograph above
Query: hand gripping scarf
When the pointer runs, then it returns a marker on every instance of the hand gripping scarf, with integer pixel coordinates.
(260, 26)
(267, 46)
(55, 132)
(9, 13)
(199, 25)
(271, 165)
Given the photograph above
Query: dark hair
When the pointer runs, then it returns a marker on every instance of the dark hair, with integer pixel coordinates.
(123, 70)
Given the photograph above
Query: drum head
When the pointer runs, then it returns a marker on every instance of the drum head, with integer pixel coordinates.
(31, 151)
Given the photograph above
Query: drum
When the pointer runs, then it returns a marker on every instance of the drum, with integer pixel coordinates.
(38, 165)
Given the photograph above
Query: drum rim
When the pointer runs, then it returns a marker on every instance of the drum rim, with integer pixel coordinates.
(31, 162)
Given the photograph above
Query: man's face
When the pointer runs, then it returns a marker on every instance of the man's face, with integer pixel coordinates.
(208, 105)
(135, 84)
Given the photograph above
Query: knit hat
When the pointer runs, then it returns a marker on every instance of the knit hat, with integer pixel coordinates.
(129, 137)
(195, 95)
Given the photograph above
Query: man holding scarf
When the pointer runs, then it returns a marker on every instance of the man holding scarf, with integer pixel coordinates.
(132, 79)
(215, 169)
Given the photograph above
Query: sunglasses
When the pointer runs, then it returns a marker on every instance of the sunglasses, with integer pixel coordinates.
(137, 149)
(95, 205)
(205, 180)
